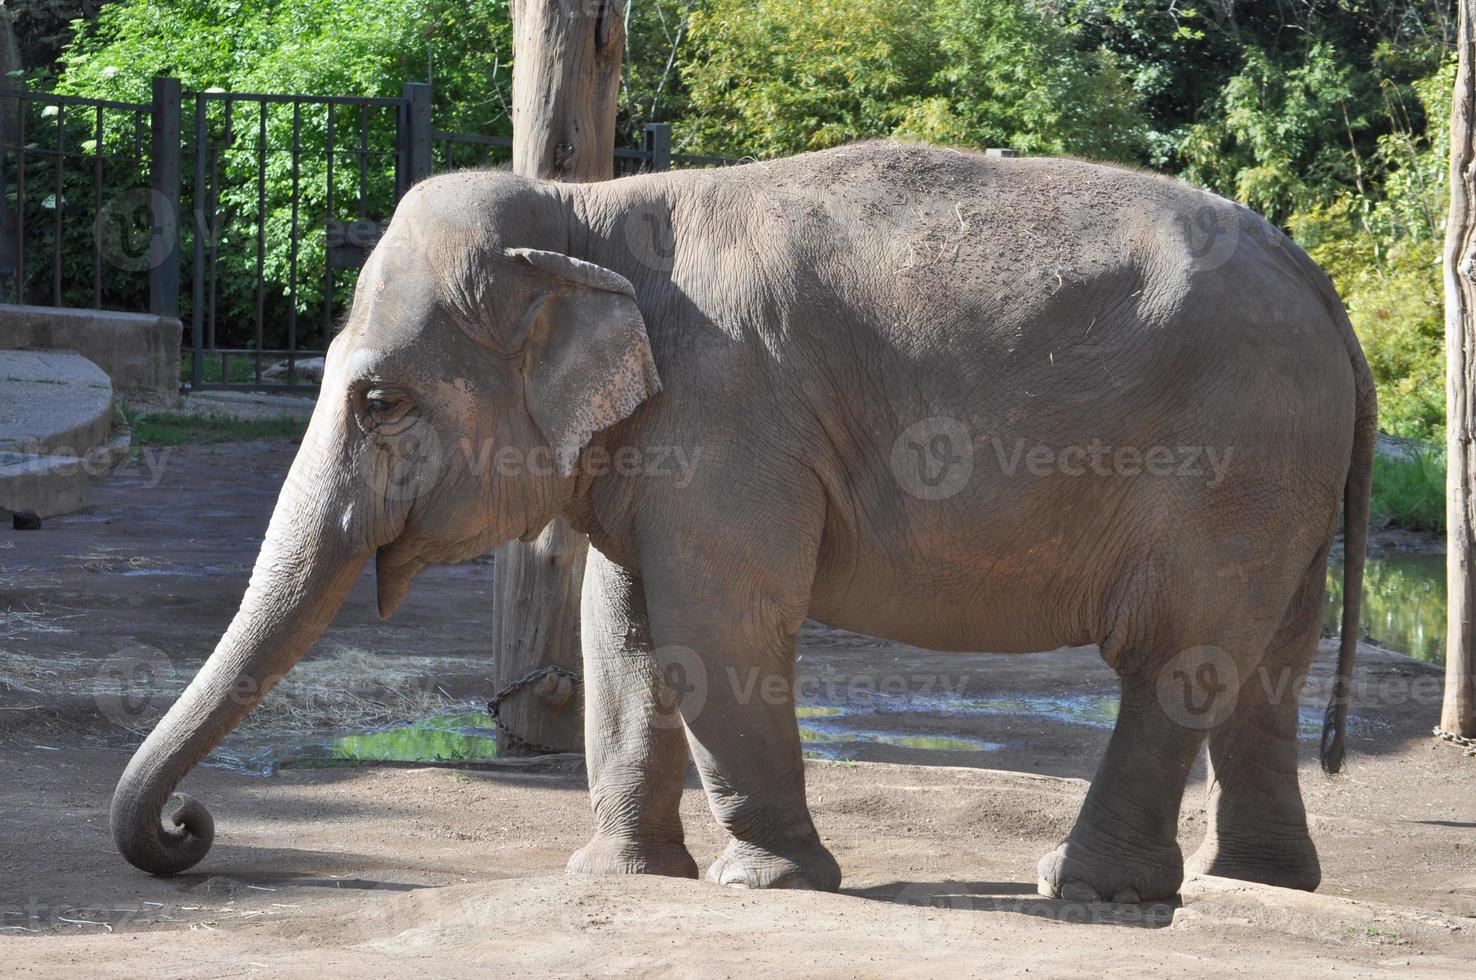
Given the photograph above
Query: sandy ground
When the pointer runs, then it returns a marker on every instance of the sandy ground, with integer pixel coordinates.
(459, 872)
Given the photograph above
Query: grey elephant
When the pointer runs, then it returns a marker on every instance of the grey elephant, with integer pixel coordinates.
(960, 402)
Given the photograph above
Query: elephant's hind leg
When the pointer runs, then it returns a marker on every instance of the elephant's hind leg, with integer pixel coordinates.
(1257, 823)
(636, 749)
(1124, 845)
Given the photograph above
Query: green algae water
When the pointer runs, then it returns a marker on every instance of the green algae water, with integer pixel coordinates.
(1403, 604)
(452, 737)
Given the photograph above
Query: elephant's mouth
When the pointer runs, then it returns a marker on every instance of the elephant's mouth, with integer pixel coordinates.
(395, 567)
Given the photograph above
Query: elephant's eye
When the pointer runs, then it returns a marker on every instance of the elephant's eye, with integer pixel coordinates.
(381, 405)
(376, 403)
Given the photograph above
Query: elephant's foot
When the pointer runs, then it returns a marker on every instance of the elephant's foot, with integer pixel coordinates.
(1283, 860)
(1079, 873)
(745, 865)
(618, 856)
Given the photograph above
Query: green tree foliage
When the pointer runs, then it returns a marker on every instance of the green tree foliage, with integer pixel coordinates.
(1384, 253)
(43, 28)
(340, 47)
(783, 76)
(1326, 115)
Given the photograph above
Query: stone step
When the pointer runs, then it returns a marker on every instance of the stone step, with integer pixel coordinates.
(57, 431)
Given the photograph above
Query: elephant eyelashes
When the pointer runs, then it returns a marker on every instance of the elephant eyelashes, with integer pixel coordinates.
(380, 406)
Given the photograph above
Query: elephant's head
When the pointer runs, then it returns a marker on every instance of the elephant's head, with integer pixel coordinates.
(470, 374)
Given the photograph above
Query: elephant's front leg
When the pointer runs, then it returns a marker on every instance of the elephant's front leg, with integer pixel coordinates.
(737, 652)
(635, 747)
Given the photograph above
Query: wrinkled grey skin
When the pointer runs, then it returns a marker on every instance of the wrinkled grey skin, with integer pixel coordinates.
(790, 328)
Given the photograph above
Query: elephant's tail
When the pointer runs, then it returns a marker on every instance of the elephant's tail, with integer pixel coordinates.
(1356, 492)
(1355, 548)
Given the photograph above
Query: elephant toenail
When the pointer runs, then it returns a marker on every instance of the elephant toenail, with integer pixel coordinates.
(1079, 891)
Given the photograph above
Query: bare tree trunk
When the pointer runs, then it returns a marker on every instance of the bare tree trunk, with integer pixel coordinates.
(1459, 713)
(566, 81)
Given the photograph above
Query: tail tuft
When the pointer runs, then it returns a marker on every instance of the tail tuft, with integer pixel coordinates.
(1333, 730)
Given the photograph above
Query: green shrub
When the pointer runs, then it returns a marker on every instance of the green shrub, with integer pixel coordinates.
(1384, 255)
(315, 47)
(776, 77)
(159, 429)
(1411, 492)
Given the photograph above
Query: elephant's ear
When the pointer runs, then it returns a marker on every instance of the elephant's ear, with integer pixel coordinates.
(589, 362)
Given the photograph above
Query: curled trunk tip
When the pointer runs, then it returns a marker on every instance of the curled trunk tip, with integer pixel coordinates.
(171, 847)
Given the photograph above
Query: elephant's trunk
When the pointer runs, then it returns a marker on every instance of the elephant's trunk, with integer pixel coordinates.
(309, 560)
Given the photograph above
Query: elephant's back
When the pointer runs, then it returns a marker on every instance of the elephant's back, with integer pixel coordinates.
(1038, 293)
(985, 282)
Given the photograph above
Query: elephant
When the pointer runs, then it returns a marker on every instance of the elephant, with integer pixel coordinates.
(961, 401)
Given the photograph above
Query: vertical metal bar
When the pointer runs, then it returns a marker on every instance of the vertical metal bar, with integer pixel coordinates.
(402, 145)
(4, 185)
(227, 141)
(56, 209)
(418, 132)
(327, 265)
(292, 260)
(261, 142)
(658, 147)
(197, 269)
(20, 204)
(363, 163)
(164, 178)
(97, 191)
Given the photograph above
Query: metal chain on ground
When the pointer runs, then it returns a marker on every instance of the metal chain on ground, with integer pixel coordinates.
(1469, 744)
(514, 740)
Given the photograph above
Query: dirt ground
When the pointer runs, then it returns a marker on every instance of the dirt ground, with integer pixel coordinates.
(953, 774)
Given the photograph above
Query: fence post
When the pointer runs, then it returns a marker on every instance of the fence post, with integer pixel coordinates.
(658, 146)
(415, 135)
(164, 182)
(197, 267)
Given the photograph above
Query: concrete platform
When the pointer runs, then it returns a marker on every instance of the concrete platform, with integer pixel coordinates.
(138, 352)
(247, 405)
(53, 403)
(57, 431)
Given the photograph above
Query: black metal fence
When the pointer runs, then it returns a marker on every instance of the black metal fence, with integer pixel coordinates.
(65, 167)
(247, 215)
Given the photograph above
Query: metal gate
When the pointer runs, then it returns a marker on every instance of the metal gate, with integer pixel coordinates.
(247, 215)
(346, 162)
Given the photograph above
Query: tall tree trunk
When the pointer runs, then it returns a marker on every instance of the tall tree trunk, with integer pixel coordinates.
(566, 81)
(1459, 713)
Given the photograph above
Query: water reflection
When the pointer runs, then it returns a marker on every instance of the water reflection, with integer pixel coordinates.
(1403, 604)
